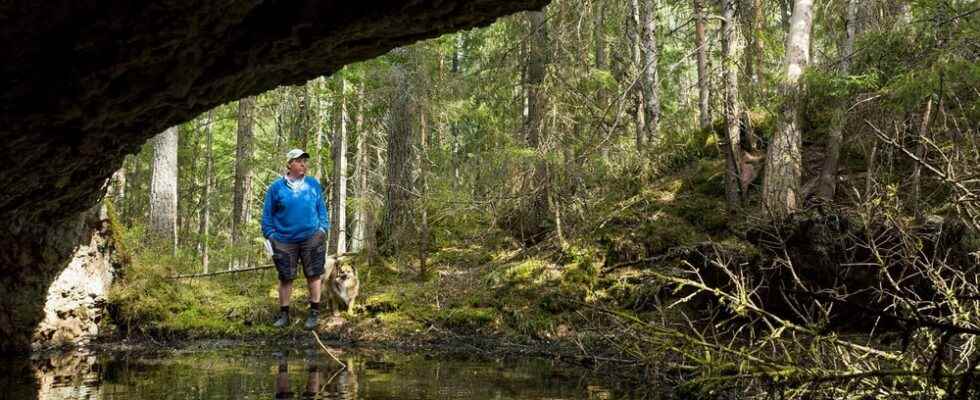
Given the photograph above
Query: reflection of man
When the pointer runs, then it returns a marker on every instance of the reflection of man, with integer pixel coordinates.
(312, 380)
(282, 381)
(295, 220)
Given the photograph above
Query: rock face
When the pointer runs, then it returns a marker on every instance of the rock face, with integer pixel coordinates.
(76, 300)
(87, 82)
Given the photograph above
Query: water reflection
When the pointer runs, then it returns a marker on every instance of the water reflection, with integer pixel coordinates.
(340, 383)
(60, 376)
(258, 373)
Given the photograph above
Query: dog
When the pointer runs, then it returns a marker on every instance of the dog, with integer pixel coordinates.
(342, 285)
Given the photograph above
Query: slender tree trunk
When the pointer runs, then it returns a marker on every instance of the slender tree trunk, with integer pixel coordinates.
(206, 194)
(299, 129)
(458, 52)
(361, 172)
(243, 179)
(456, 70)
(186, 218)
(759, 50)
(731, 145)
(321, 115)
(650, 79)
(635, 33)
(599, 32)
(703, 77)
(423, 191)
(752, 30)
(163, 189)
(920, 152)
(537, 61)
(535, 121)
(781, 186)
(338, 227)
(398, 197)
(827, 185)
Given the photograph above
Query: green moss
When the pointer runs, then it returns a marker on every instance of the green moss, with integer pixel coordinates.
(707, 178)
(468, 318)
(578, 279)
(382, 303)
(469, 256)
(525, 274)
(399, 323)
(705, 213)
(663, 231)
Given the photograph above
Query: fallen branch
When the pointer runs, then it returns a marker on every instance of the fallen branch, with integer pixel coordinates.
(322, 346)
(330, 259)
(231, 271)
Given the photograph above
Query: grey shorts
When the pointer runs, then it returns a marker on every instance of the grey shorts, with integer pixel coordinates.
(312, 253)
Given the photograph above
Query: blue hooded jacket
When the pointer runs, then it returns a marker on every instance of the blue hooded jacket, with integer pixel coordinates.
(293, 212)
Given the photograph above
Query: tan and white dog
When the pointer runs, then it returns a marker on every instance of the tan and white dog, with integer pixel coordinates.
(342, 285)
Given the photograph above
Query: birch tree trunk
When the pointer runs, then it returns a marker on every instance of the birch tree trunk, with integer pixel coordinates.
(338, 225)
(243, 179)
(206, 193)
(731, 145)
(361, 172)
(827, 185)
(454, 125)
(703, 78)
(163, 188)
(424, 188)
(781, 186)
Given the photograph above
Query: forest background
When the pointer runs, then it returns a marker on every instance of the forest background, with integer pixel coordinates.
(735, 185)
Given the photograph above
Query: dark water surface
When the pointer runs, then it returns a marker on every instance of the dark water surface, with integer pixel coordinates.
(298, 372)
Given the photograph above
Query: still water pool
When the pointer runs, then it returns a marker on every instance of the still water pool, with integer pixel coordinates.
(303, 372)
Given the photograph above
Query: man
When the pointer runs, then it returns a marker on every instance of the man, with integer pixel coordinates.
(295, 221)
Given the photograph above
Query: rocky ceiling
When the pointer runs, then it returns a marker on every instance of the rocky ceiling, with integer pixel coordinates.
(86, 82)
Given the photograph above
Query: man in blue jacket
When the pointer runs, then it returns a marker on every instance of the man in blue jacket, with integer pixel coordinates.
(295, 221)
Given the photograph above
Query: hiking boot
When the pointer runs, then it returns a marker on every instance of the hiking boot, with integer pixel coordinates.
(312, 319)
(282, 321)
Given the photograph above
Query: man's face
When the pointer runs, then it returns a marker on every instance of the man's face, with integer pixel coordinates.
(297, 167)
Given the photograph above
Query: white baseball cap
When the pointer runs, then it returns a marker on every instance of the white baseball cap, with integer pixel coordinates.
(296, 153)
